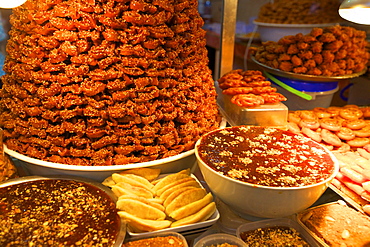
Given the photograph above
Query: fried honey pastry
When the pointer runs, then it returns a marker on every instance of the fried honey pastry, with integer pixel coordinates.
(330, 51)
(300, 12)
(249, 88)
(247, 100)
(106, 82)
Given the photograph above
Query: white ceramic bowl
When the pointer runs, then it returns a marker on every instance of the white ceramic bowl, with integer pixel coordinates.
(32, 166)
(274, 31)
(250, 200)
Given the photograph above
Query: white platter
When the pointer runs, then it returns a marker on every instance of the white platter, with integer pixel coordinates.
(187, 230)
(32, 166)
(275, 31)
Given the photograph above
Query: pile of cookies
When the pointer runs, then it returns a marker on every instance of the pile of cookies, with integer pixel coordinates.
(148, 201)
(328, 51)
(300, 12)
(338, 128)
(345, 131)
(249, 88)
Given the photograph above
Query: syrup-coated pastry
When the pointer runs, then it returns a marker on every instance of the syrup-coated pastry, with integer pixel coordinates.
(98, 83)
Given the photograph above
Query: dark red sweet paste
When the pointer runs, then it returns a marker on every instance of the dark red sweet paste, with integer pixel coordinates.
(56, 213)
(266, 156)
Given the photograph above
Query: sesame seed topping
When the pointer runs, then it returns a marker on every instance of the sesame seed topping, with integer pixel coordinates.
(265, 156)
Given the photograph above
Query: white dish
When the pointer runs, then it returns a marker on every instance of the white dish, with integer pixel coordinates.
(32, 166)
(187, 230)
(305, 77)
(274, 31)
(247, 199)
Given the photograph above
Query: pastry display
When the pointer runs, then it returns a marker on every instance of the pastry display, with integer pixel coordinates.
(174, 200)
(97, 83)
(300, 12)
(353, 179)
(338, 128)
(57, 212)
(8, 169)
(345, 131)
(336, 224)
(249, 88)
(113, 86)
(275, 232)
(329, 51)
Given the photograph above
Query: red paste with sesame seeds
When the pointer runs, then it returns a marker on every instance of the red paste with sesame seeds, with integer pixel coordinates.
(55, 212)
(266, 156)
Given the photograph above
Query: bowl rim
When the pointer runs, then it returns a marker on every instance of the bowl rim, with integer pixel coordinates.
(201, 163)
(48, 164)
(61, 166)
(282, 25)
(121, 234)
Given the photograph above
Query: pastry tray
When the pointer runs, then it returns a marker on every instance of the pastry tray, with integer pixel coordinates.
(275, 115)
(298, 218)
(187, 230)
(350, 197)
(304, 77)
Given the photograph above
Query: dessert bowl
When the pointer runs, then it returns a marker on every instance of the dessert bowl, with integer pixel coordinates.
(36, 209)
(248, 199)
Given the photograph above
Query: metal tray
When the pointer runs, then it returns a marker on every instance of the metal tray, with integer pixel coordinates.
(304, 77)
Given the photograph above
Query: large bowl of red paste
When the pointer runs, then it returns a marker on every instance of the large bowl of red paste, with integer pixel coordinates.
(264, 172)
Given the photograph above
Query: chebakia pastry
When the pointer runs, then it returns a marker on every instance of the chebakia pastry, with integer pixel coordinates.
(300, 12)
(106, 82)
(329, 51)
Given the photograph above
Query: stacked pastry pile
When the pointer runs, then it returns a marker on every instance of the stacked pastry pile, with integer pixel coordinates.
(249, 88)
(300, 12)
(329, 51)
(106, 82)
(346, 131)
(149, 203)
